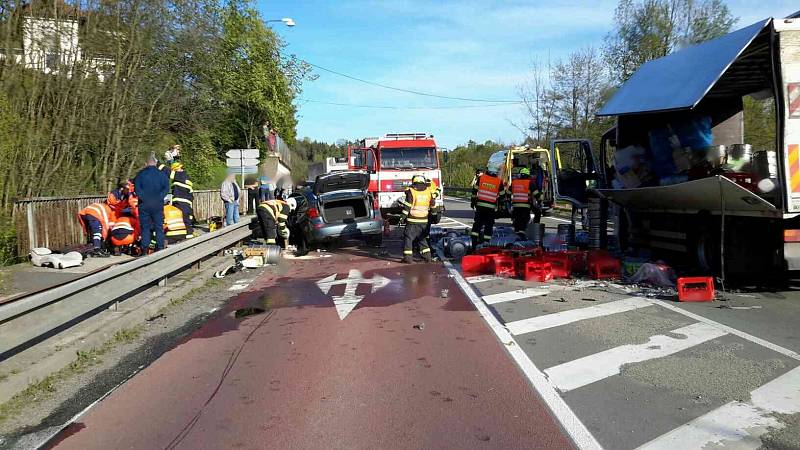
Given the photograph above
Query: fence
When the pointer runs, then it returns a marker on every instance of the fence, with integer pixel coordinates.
(52, 221)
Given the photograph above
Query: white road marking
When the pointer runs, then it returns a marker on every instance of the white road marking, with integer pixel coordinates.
(493, 299)
(346, 303)
(746, 336)
(738, 424)
(574, 315)
(481, 278)
(576, 430)
(589, 369)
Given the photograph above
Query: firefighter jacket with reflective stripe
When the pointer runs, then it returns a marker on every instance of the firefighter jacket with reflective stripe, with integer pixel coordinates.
(124, 231)
(487, 190)
(279, 210)
(173, 221)
(103, 213)
(521, 192)
(417, 204)
(182, 190)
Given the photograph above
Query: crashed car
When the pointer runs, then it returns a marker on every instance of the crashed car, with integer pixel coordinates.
(336, 206)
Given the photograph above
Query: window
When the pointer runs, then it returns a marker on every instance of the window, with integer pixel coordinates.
(408, 158)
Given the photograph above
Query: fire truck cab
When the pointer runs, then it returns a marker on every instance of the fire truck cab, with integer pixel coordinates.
(391, 161)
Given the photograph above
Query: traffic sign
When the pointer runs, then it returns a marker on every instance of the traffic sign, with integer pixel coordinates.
(242, 170)
(239, 153)
(236, 162)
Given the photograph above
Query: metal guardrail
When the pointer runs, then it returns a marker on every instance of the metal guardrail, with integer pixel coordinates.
(31, 319)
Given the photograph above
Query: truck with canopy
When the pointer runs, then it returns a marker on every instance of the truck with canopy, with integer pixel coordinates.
(676, 170)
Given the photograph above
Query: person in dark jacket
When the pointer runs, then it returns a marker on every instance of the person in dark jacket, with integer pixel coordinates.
(152, 186)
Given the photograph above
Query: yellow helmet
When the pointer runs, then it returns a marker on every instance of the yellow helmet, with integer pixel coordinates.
(176, 166)
(418, 179)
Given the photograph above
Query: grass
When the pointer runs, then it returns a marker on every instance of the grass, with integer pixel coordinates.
(211, 282)
(84, 359)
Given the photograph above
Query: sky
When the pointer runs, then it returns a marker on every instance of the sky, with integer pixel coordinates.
(477, 49)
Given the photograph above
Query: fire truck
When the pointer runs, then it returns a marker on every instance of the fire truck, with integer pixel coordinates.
(391, 161)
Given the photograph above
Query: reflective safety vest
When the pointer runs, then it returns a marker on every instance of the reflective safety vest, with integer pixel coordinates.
(173, 221)
(488, 190)
(124, 231)
(520, 193)
(420, 205)
(103, 213)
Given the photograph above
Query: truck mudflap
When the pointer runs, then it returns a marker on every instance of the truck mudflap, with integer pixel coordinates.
(712, 194)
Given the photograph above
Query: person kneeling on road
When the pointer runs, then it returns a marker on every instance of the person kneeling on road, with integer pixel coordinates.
(272, 215)
(97, 219)
(174, 224)
(416, 208)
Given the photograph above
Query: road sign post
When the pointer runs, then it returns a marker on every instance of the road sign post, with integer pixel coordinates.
(244, 159)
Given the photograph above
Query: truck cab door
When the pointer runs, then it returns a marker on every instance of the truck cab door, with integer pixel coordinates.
(574, 171)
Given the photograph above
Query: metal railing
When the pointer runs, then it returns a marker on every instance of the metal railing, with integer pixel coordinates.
(28, 320)
(52, 221)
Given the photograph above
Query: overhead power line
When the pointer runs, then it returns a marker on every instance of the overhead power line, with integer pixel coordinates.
(352, 105)
(408, 91)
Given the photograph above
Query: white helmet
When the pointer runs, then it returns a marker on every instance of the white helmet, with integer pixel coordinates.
(292, 204)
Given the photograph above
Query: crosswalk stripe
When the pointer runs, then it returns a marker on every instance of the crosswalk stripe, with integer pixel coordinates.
(493, 299)
(574, 315)
(589, 369)
(738, 424)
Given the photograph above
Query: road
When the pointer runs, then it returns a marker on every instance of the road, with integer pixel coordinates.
(353, 350)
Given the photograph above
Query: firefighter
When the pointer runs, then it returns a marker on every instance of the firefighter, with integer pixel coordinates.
(272, 215)
(120, 199)
(435, 214)
(96, 220)
(124, 234)
(174, 225)
(484, 201)
(416, 208)
(523, 191)
(538, 185)
(182, 195)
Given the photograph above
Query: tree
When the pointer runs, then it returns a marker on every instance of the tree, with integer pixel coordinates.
(649, 29)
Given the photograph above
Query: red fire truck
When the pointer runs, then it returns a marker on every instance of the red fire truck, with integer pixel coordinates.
(391, 161)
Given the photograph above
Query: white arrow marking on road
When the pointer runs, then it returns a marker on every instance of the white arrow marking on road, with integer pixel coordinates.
(347, 302)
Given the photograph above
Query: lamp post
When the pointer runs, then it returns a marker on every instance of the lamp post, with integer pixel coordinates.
(288, 21)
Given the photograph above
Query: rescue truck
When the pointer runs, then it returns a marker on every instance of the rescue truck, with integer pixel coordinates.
(391, 161)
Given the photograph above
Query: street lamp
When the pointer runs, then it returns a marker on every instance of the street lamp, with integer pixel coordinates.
(288, 21)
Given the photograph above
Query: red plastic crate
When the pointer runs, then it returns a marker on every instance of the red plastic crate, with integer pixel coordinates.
(695, 289)
(561, 264)
(475, 264)
(578, 260)
(504, 266)
(605, 268)
(595, 255)
(537, 270)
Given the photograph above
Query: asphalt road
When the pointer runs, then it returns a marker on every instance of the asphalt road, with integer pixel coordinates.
(304, 358)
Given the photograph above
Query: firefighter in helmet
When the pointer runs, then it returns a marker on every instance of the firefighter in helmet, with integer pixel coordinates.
(416, 208)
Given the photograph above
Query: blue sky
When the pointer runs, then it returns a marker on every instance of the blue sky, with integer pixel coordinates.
(461, 48)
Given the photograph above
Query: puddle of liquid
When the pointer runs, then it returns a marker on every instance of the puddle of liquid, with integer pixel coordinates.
(246, 312)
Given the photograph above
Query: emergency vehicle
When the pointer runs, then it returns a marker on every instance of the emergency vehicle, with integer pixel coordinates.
(391, 161)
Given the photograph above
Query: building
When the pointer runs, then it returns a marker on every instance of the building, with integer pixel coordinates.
(48, 39)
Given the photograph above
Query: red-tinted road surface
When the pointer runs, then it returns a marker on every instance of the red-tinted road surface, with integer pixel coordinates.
(296, 376)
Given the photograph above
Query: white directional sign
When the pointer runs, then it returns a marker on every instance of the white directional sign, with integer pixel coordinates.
(238, 153)
(348, 301)
(242, 170)
(245, 162)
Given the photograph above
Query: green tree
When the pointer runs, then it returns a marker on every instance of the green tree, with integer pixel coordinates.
(649, 29)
